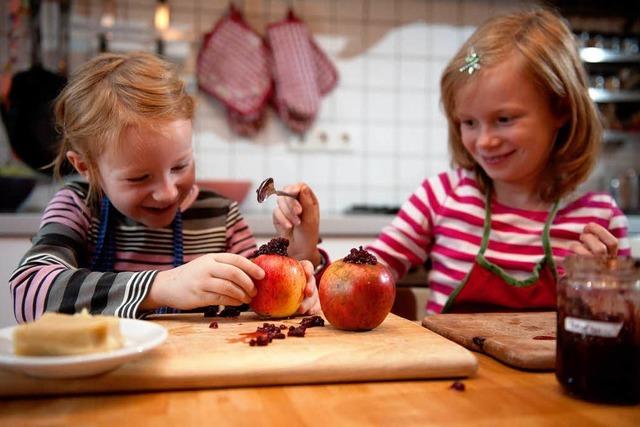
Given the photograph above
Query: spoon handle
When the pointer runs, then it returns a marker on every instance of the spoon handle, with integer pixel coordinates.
(284, 193)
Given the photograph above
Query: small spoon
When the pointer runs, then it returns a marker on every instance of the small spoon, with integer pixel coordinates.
(268, 188)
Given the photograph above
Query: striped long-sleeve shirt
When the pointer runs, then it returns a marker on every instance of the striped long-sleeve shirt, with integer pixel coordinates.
(54, 274)
(443, 221)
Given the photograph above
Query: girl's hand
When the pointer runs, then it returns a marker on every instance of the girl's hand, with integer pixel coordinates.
(212, 279)
(311, 302)
(595, 240)
(298, 220)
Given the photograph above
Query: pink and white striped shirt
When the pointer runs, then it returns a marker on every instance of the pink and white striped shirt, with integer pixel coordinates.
(54, 274)
(442, 221)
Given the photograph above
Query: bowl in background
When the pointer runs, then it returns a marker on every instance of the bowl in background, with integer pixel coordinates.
(232, 189)
(15, 190)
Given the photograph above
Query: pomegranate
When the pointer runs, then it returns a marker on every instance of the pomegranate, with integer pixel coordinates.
(281, 290)
(357, 292)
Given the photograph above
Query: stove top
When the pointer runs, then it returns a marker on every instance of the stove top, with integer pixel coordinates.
(373, 209)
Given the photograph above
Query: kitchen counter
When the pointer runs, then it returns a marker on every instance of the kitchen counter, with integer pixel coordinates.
(331, 225)
(16, 225)
(495, 395)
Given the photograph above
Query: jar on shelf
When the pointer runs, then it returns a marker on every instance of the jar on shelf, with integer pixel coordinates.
(598, 329)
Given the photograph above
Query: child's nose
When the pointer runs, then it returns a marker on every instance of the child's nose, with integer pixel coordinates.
(166, 191)
(487, 139)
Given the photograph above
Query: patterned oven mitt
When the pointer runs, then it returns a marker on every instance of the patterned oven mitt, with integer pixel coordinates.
(302, 73)
(234, 67)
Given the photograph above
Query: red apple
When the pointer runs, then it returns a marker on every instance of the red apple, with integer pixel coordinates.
(281, 290)
(357, 292)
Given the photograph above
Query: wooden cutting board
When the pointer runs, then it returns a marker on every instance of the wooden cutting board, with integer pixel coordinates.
(523, 340)
(196, 356)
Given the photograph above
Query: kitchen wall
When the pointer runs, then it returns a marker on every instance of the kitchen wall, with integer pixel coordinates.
(383, 127)
(383, 124)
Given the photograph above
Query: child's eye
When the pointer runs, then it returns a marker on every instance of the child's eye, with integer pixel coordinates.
(467, 122)
(137, 178)
(504, 119)
(179, 168)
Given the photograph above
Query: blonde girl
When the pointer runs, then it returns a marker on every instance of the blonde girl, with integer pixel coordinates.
(523, 135)
(138, 236)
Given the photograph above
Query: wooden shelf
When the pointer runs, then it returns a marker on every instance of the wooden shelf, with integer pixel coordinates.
(604, 95)
(610, 136)
(596, 55)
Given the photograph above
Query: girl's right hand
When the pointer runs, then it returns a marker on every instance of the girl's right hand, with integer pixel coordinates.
(595, 240)
(212, 279)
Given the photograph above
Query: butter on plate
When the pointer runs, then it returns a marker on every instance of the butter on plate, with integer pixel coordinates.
(57, 334)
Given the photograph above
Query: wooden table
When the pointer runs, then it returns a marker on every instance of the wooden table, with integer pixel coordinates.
(496, 395)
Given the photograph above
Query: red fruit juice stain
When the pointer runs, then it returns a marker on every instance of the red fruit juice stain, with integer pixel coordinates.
(245, 337)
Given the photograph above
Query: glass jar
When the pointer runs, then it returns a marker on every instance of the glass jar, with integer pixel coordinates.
(598, 335)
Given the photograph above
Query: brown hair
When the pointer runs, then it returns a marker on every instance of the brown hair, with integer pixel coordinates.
(109, 93)
(551, 56)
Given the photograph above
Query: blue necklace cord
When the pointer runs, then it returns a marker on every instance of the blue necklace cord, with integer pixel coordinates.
(178, 240)
(100, 260)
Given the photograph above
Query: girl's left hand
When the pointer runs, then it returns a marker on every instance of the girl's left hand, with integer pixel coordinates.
(298, 220)
(595, 240)
(311, 302)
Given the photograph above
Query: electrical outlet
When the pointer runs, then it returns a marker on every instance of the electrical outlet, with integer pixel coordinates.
(318, 140)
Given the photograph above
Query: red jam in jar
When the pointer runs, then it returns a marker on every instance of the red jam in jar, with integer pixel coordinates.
(598, 336)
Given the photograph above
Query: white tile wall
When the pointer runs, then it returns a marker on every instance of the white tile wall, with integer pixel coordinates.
(412, 141)
(389, 53)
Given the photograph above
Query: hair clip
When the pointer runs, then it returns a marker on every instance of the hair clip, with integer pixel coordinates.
(471, 62)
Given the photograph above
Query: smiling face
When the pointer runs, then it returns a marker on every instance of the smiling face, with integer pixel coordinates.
(507, 125)
(150, 172)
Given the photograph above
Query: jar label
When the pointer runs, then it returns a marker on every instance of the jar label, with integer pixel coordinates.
(592, 327)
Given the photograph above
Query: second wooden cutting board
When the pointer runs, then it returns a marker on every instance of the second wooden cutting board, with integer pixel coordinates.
(195, 356)
(523, 340)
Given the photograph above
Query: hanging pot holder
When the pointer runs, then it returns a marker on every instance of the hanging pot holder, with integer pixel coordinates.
(247, 125)
(301, 71)
(326, 73)
(233, 66)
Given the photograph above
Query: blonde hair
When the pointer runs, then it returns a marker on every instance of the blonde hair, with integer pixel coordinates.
(110, 93)
(548, 47)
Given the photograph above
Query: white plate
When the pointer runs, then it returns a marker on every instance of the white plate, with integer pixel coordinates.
(139, 336)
